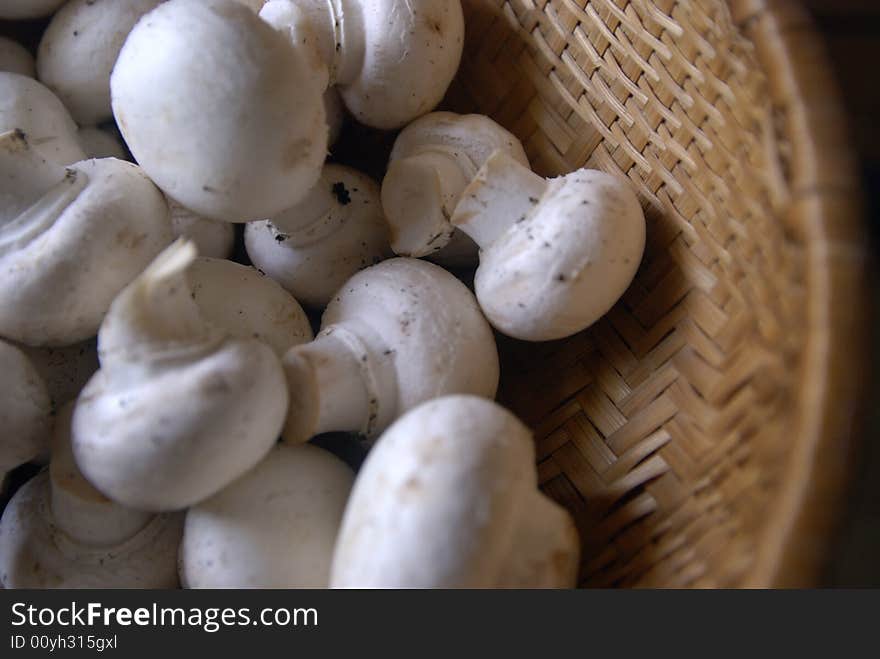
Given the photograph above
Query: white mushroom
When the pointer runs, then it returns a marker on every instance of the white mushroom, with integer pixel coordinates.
(59, 532)
(14, 58)
(80, 47)
(212, 238)
(448, 498)
(555, 255)
(100, 143)
(313, 248)
(247, 304)
(275, 527)
(433, 160)
(392, 60)
(23, 9)
(70, 240)
(25, 410)
(397, 334)
(242, 150)
(28, 106)
(65, 370)
(178, 410)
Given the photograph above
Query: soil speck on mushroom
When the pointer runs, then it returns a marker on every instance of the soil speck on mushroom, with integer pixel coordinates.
(341, 193)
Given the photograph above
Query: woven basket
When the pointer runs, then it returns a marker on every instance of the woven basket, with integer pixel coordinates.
(699, 434)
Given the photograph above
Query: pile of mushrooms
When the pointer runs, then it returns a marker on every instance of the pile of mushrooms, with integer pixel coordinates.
(172, 196)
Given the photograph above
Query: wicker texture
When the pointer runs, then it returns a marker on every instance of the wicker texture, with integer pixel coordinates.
(699, 432)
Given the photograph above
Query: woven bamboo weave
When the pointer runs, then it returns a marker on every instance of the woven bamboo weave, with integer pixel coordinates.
(699, 433)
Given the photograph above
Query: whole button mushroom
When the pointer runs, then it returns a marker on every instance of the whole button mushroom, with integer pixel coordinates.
(59, 532)
(29, 107)
(70, 240)
(178, 409)
(275, 527)
(433, 160)
(247, 304)
(100, 143)
(397, 334)
(79, 48)
(555, 255)
(23, 9)
(25, 410)
(212, 238)
(392, 60)
(313, 248)
(448, 498)
(14, 58)
(246, 149)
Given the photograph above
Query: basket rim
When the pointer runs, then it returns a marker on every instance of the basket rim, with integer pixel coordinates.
(799, 532)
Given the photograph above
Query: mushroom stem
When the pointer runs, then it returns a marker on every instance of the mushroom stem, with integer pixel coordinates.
(423, 190)
(511, 189)
(335, 383)
(333, 26)
(156, 318)
(79, 509)
(545, 549)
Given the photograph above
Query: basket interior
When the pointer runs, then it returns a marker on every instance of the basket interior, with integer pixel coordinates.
(664, 427)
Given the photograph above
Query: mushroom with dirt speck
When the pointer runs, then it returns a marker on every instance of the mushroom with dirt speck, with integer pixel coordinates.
(565, 265)
(313, 248)
(30, 107)
(422, 334)
(223, 399)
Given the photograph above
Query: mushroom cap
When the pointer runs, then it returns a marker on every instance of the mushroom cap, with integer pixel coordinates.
(313, 248)
(433, 160)
(565, 265)
(32, 108)
(411, 53)
(178, 410)
(247, 304)
(438, 500)
(275, 527)
(182, 434)
(245, 149)
(80, 47)
(65, 370)
(35, 553)
(25, 409)
(100, 143)
(15, 58)
(213, 238)
(436, 336)
(21, 9)
(106, 224)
